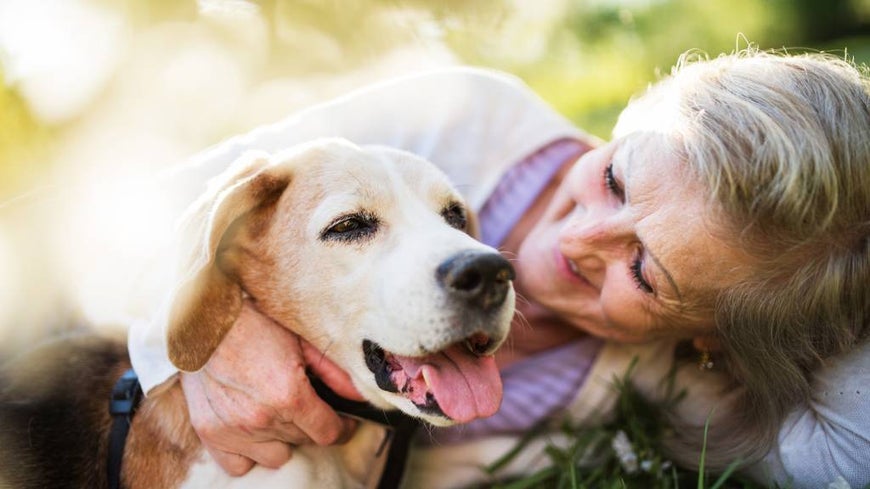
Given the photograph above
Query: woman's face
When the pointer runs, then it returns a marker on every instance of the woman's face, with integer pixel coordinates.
(625, 249)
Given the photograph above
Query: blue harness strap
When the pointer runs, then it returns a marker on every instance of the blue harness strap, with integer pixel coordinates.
(125, 399)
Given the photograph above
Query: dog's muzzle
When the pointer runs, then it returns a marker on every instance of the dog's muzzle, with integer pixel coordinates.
(458, 380)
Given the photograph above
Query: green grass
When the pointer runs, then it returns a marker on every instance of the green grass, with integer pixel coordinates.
(624, 453)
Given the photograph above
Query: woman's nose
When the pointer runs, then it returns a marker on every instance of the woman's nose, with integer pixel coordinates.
(591, 239)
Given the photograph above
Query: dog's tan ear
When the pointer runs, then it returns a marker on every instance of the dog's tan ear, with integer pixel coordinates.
(208, 300)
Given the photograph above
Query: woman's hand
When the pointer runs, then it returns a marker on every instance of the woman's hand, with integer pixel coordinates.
(252, 400)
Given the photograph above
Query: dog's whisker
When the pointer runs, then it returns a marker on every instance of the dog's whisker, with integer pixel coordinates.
(520, 299)
(461, 186)
(430, 431)
(328, 346)
(522, 320)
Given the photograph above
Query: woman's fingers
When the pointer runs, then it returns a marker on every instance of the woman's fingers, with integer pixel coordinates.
(271, 454)
(232, 463)
(318, 420)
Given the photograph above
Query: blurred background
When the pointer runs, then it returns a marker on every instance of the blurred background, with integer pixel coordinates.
(94, 94)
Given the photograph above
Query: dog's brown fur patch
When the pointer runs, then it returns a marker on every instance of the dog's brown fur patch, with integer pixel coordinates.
(54, 415)
(162, 444)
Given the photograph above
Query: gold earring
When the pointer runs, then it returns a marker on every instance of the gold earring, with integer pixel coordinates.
(705, 361)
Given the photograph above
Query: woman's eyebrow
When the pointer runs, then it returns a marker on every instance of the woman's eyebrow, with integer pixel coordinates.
(665, 272)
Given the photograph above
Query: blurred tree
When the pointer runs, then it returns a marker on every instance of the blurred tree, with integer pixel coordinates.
(822, 22)
(146, 12)
(600, 52)
(586, 57)
(21, 139)
(337, 35)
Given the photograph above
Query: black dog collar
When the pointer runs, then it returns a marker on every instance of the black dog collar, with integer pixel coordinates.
(401, 428)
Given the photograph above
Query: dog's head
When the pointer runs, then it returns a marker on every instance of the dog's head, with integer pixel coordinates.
(364, 252)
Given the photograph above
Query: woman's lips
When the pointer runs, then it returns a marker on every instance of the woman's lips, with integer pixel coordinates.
(569, 269)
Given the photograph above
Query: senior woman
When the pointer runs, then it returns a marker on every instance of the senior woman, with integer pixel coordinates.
(731, 212)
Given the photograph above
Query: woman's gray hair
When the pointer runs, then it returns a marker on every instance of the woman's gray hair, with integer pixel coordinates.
(782, 142)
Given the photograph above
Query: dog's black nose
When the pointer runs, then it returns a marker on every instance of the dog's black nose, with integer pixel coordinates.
(478, 277)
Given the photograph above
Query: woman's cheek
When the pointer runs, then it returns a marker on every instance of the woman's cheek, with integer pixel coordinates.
(625, 320)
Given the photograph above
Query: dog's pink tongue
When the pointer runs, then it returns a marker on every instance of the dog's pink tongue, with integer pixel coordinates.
(466, 386)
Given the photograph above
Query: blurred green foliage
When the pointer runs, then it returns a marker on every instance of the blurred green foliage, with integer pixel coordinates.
(587, 57)
(604, 51)
(22, 137)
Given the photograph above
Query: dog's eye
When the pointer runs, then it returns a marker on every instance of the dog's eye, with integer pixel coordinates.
(454, 214)
(346, 226)
(350, 227)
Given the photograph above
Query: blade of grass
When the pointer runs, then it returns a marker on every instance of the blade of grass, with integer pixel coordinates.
(510, 455)
(533, 480)
(703, 453)
(573, 475)
(726, 474)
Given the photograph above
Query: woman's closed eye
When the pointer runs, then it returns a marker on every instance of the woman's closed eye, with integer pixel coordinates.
(636, 266)
(612, 184)
(636, 270)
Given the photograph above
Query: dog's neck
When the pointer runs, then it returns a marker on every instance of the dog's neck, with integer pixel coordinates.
(161, 445)
(401, 425)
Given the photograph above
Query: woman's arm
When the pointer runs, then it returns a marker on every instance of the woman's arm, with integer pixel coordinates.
(465, 120)
(830, 437)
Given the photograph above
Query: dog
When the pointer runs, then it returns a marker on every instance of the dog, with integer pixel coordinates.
(366, 252)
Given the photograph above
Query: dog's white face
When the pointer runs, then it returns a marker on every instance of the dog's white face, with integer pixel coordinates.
(365, 253)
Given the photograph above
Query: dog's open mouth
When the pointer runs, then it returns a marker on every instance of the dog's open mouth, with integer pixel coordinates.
(460, 383)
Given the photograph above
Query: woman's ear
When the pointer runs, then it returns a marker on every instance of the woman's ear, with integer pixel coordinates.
(706, 343)
(207, 301)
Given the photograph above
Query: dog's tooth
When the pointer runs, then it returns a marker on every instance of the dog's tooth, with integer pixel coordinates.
(426, 378)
